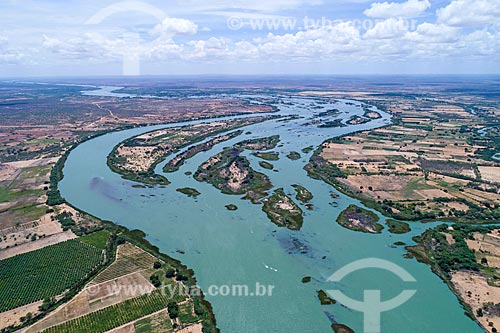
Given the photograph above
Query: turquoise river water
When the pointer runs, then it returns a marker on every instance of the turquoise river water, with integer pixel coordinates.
(244, 248)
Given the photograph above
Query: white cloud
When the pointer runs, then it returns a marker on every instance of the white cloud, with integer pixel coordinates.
(7, 54)
(464, 13)
(409, 9)
(434, 33)
(388, 29)
(175, 26)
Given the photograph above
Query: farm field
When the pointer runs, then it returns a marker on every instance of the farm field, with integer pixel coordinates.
(46, 272)
(117, 315)
(425, 166)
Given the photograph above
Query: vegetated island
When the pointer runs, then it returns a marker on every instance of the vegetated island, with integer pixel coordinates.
(266, 165)
(398, 227)
(175, 163)
(231, 207)
(190, 192)
(267, 143)
(359, 219)
(293, 155)
(136, 158)
(283, 211)
(307, 150)
(324, 299)
(268, 156)
(303, 194)
(232, 174)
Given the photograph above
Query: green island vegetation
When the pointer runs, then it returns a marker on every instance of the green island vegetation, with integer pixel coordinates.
(340, 328)
(190, 192)
(324, 299)
(294, 156)
(303, 194)
(259, 144)
(266, 165)
(357, 120)
(332, 124)
(283, 211)
(398, 227)
(359, 219)
(371, 114)
(231, 207)
(268, 156)
(307, 150)
(232, 174)
(175, 163)
(49, 271)
(306, 279)
(136, 158)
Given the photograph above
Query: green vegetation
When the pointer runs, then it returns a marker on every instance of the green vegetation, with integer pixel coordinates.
(186, 313)
(268, 156)
(231, 207)
(175, 163)
(147, 177)
(232, 174)
(333, 124)
(435, 250)
(259, 144)
(398, 227)
(321, 169)
(303, 194)
(307, 150)
(266, 165)
(46, 272)
(56, 175)
(293, 156)
(116, 315)
(282, 211)
(359, 219)
(190, 192)
(98, 239)
(324, 298)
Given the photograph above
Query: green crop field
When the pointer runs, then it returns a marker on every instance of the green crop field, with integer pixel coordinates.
(118, 314)
(33, 276)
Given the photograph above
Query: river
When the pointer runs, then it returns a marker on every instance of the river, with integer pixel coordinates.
(244, 248)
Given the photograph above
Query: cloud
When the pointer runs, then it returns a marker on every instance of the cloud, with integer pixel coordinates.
(175, 26)
(388, 29)
(466, 13)
(9, 55)
(409, 9)
(434, 33)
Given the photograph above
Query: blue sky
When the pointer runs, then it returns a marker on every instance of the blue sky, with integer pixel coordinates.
(75, 38)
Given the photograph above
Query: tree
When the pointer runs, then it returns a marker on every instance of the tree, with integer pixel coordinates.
(170, 273)
(157, 265)
(173, 310)
(155, 280)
